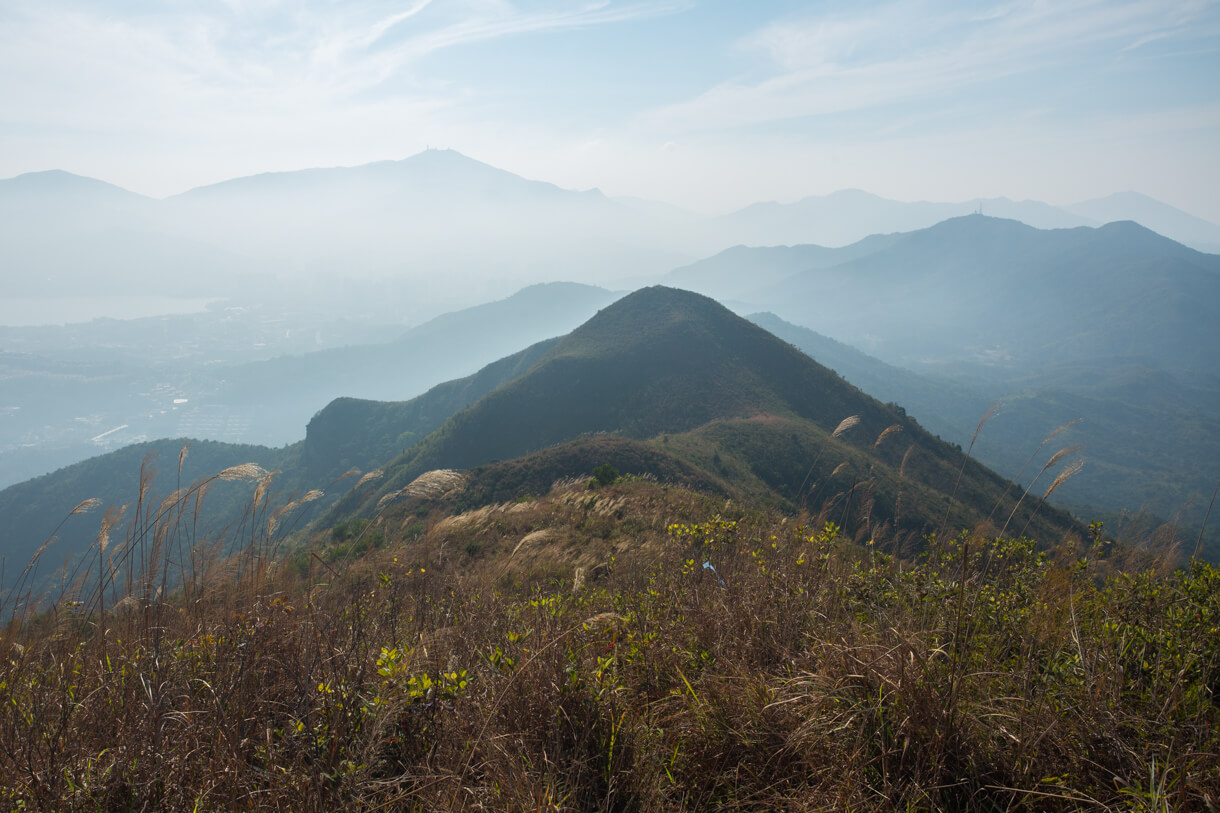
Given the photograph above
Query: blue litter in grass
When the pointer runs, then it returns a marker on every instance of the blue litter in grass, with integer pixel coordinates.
(709, 566)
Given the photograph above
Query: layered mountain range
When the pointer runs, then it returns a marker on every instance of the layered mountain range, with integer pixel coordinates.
(403, 223)
(1104, 336)
(663, 382)
(1116, 326)
(992, 292)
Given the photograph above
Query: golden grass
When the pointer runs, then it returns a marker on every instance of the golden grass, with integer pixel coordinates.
(245, 471)
(369, 476)
(846, 425)
(889, 430)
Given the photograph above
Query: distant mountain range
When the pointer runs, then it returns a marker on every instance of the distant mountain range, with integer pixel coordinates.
(993, 293)
(427, 226)
(64, 235)
(431, 225)
(845, 217)
(1151, 213)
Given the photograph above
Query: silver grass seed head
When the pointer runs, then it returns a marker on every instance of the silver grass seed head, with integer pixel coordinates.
(845, 425)
(246, 471)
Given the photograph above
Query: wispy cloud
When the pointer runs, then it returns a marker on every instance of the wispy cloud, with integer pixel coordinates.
(901, 51)
(375, 54)
(327, 53)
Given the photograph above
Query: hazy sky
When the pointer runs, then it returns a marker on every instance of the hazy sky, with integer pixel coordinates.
(710, 105)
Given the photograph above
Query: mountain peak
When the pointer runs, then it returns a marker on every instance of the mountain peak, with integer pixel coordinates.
(667, 297)
(662, 361)
(1153, 214)
(642, 316)
(1131, 234)
(445, 159)
(849, 194)
(658, 360)
(60, 182)
(979, 222)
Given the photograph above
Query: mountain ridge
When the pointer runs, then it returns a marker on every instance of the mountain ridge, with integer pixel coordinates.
(974, 283)
(681, 373)
(837, 219)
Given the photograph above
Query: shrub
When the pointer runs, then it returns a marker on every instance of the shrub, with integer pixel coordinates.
(605, 474)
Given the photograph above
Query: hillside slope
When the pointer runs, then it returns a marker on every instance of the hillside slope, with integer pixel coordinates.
(362, 434)
(281, 395)
(38, 510)
(701, 384)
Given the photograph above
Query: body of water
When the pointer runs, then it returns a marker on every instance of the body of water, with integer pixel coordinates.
(67, 310)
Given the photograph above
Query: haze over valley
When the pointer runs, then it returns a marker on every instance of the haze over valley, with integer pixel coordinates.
(944, 319)
(317, 285)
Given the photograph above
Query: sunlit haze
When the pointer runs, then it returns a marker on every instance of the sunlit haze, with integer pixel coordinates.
(709, 105)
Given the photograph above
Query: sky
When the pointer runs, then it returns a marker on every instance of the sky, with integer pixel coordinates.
(707, 104)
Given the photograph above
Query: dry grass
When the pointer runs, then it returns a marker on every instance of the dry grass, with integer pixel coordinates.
(796, 671)
(889, 430)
